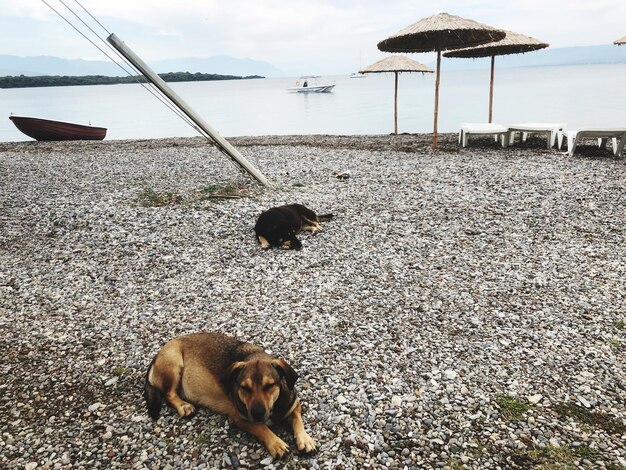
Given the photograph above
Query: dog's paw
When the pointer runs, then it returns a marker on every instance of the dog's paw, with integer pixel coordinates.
(278, 448)
(265, 245)
(186, 409)
(305, 443)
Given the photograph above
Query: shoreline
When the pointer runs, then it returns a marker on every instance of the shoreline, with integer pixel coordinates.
(403, 142)
(464, 308)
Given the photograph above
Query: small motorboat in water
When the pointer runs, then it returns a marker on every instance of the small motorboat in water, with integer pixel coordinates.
(48, 130)
(309, 84)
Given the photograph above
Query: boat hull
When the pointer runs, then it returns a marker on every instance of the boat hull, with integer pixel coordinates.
(312, 89)
(48, 130)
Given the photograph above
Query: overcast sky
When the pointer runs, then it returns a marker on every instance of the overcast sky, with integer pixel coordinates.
(312, 36)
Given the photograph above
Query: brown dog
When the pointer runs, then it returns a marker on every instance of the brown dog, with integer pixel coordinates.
(231, 377)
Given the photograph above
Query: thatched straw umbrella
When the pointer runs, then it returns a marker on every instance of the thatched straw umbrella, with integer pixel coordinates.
(396, 63)
(513, 43)
(620, 41)
(439, 33)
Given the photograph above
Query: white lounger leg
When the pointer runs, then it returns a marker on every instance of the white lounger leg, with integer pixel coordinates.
(551, 139)
(602, 142)
(614, 145)
(620, 147)
(505, 139)
(571, 143)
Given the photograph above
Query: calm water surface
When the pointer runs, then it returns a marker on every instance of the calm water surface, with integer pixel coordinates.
(591, 96)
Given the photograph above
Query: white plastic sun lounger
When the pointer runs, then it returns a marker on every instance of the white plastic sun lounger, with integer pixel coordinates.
(618, 135)
(495, 130)
(554, 131)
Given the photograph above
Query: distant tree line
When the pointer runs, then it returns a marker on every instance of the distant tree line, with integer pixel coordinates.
(23, 81)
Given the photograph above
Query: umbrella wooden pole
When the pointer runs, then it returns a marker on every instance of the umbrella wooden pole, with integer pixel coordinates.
(493, 61)
(395, 106)
(436, 98)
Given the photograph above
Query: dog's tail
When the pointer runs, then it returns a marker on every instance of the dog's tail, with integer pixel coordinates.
(154, 397)
(325, 217)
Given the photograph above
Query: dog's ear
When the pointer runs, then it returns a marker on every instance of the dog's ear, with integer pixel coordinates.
(233, 371)
(286, 371)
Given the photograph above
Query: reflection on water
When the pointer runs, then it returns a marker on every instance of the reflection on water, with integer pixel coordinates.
(578, 95)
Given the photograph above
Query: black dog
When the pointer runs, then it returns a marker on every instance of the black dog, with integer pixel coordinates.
(279, 226)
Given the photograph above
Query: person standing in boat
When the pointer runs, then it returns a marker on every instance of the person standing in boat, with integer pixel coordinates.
(305, 84)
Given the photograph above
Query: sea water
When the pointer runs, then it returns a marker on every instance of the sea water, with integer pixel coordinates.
(587, 96)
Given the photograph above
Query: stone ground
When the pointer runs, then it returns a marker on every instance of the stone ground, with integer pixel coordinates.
(465, 308)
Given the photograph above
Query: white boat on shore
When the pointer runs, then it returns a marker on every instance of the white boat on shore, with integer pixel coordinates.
(309, 84)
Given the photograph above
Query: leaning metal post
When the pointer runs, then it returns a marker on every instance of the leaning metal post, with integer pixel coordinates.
(157, 81)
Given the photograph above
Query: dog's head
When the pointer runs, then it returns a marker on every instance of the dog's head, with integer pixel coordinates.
(257, 384)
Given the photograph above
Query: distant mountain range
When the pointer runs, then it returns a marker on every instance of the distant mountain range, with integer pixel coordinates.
(49, 65)
(582, 55)
(226, 65)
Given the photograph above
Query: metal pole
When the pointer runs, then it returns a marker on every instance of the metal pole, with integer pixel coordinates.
(184, 107)
(493, 60)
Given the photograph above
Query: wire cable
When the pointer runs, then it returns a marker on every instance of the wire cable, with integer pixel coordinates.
(123, 59)
(151, 91)
(93, 17)
(157, 94)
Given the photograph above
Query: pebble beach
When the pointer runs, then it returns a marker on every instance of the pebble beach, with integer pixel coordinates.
(464, 309)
